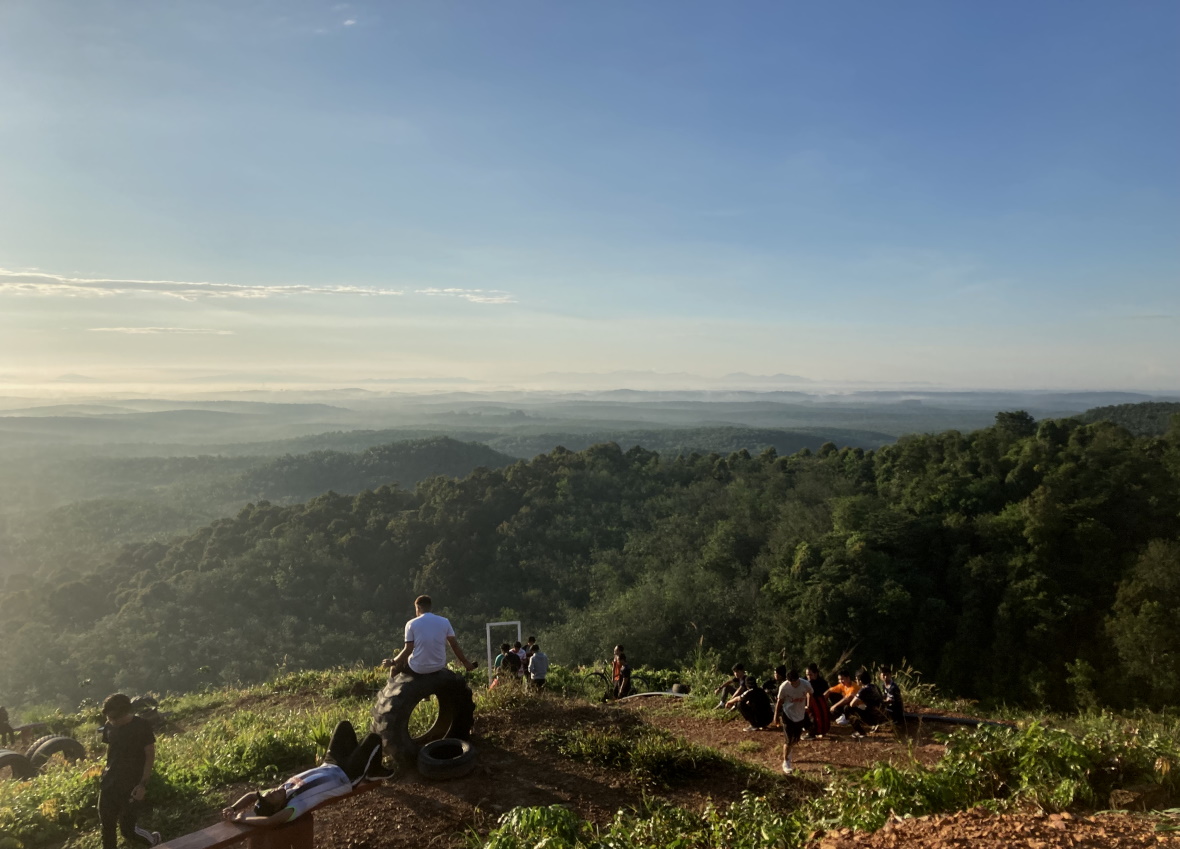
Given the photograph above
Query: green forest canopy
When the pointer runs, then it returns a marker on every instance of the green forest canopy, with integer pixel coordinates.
(1025, 562)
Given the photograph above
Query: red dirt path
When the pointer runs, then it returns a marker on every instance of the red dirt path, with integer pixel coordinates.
(516, 769)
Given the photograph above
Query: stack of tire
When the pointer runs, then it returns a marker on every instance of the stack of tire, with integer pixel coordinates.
(443, 750)
(37, 755)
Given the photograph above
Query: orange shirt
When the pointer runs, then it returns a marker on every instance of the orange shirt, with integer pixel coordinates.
(844, 690)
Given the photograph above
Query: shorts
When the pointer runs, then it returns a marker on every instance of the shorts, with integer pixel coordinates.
(792, 730)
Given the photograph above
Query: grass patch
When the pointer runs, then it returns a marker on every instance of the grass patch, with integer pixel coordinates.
(650, 755)
(997, 768)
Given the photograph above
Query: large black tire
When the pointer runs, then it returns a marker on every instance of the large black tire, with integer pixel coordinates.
(403, 692)
(67, 747)
(38, 743)
(18, 763)
(447, 758)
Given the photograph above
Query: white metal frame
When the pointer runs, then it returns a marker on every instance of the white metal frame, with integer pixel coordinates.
(490, 626)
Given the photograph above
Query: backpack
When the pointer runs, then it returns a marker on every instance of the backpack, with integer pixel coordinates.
(511, 662)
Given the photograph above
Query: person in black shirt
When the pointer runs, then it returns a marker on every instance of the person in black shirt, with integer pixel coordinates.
(754, 705)
(131, 754)
(7, 734)
(864, 710)
(893, 706)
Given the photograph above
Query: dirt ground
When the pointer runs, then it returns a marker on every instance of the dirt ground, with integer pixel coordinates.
(516, 769)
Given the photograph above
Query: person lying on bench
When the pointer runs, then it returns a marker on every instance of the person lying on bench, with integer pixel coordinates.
(347, 764)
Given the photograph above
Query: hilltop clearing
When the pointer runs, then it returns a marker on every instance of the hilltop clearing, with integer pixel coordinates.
(520, 766)
(641, 774)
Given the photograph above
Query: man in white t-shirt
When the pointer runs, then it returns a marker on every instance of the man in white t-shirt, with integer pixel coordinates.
(794, 698)
(427, 637)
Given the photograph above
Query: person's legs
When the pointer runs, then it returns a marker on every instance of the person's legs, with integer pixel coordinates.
(109, 810)
(793, 731)
(364, 755)
(342, 744)
(133, 833)
(749, 714)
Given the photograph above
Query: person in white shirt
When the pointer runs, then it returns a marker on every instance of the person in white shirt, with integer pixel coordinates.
(347, 763)
(538, 667)
(427, 638)
(794, 697)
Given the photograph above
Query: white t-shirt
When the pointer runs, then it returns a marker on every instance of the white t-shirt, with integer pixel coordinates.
(310, 788)
(429, 635)
(794, 699)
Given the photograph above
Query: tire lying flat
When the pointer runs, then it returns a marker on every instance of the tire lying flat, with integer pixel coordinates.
(446, 758)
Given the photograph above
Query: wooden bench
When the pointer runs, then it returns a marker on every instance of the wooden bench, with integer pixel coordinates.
(299, 833)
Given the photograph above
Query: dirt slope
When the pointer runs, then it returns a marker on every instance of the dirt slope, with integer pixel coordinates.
(515, 769)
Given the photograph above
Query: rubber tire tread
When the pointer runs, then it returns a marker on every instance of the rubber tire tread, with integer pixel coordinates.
(22, 767)
(403, 692)
(439, 769)
(37, 744)
(68, 746)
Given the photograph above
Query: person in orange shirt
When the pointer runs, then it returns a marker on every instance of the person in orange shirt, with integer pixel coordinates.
(841, 695)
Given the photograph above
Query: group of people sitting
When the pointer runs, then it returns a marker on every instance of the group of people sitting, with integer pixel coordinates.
(526, 664)
(806, 708)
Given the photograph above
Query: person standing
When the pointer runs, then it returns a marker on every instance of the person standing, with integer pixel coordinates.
(7, 734)
(622, 673)
(427, 638)
(794, 695)
(131, 754)
(538, 667)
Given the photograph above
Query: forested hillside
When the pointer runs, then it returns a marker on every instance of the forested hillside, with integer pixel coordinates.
(1023, 562)
(72, 510)
(1149, 418)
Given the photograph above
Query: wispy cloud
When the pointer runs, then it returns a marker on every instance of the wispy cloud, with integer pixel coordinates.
(193, 331)
(40, 283)
(477, 296)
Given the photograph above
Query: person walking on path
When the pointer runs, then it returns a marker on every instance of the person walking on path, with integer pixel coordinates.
(538, 667)
(427, 638)
(131, 754)
(794, 694)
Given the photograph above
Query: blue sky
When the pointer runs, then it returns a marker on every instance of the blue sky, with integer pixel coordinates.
(973, 195)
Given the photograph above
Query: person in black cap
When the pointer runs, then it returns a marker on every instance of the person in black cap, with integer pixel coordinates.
(131, 754)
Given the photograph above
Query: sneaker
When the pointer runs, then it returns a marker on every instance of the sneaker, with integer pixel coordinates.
(808, 736)
(842, 720)
(787, 767)
(856, 735)
(378, 772)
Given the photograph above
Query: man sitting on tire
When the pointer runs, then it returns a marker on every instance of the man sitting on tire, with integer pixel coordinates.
(427, 637)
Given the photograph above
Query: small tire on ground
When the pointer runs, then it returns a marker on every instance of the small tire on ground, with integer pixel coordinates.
(403, 692)
(37, 744)
(67, 747)
(446, 758)
(20, 765)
